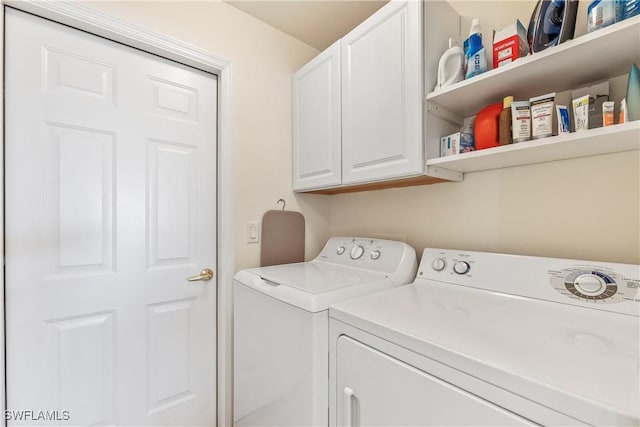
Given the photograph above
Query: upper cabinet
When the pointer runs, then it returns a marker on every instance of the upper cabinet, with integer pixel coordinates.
(358, 108)
(316, 122)
(381, 96)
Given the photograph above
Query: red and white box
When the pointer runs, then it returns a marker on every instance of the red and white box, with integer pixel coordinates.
(509, 44)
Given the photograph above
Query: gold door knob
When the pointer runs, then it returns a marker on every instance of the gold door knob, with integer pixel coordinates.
(206, 274)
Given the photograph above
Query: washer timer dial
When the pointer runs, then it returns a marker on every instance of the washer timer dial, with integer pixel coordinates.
(461, 267)
(356, 252)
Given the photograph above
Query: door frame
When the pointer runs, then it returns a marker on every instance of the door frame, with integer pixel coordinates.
(109, 27)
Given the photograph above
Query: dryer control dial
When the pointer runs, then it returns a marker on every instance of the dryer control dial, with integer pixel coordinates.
(375, 255)
(356, 252)
(340, 250)
(591, 284)
(438, 264)
(461, 267)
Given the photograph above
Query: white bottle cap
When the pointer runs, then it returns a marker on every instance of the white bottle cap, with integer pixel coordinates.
(475, 26)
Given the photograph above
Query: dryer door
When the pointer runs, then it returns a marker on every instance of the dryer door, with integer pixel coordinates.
(376, 389)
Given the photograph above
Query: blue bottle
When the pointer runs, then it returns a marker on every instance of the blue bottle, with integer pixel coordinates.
(619, 9)
(630, 8)
(600, 14)
(475, 56)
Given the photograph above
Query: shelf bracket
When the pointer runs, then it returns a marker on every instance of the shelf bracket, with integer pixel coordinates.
(440, 172)
(443, 113)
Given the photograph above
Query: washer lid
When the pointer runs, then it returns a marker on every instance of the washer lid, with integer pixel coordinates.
(313, 285)
(581, 362)
(315, 277)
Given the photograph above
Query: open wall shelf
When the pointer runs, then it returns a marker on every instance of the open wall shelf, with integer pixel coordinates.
(599, 55)
(611, 139)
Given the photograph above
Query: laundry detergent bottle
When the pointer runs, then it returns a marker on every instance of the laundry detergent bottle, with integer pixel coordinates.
(475, 56)
(450, 67)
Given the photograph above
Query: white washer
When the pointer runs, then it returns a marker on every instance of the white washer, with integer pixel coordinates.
(491, 339)
(281, 326)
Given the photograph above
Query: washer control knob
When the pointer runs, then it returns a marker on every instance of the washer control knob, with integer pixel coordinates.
(375, 255)
(589, 284)
(340, 250)
(461, 267)
(438, 264)
(356, 252)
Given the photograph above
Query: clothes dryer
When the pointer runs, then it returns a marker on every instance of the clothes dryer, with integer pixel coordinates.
(491, 339)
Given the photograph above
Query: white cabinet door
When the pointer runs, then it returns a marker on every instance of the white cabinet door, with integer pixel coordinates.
(316, 122)
(374, 389)
(382, 95)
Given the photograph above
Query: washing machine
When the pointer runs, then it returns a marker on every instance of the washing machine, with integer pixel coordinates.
(491, 339)
(281, 350)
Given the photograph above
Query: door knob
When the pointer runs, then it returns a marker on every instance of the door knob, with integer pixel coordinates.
(206, 274)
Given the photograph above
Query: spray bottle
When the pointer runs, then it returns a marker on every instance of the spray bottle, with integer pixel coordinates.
(476, 58)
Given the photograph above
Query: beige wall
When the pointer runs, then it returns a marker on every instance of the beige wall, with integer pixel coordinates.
(264, 60)
(585, 208)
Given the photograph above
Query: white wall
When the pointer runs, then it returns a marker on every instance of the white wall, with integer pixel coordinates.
(264, 60)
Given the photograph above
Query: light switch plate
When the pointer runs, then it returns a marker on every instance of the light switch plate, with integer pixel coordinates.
(253, 232)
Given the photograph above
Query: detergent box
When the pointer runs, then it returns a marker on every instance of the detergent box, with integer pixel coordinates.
(509, 44)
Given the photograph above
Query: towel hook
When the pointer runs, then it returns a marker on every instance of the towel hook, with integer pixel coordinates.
(283, 203)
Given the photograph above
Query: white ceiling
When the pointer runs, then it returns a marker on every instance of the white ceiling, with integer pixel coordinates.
(317, 23)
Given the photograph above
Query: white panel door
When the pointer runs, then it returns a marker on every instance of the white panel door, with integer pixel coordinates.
(374, 389)
(110, 206)
(382, 95)
(317, 122)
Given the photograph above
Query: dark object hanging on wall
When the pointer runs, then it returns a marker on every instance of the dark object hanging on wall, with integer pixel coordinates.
(552, 22)
(282, 237)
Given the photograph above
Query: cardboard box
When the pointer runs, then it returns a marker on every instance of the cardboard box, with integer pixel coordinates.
(450, 144)
(598, 95)
(509, 44)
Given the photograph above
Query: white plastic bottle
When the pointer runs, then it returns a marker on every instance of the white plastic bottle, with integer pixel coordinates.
(450, 67)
